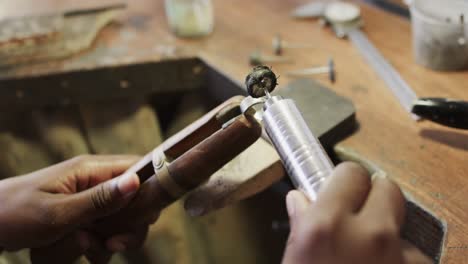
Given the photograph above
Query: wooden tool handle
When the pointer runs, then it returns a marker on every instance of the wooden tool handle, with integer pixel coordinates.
(198, 164)
(187, 138)
(183, 174)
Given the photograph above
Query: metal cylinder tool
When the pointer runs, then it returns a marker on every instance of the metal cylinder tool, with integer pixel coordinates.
(304, 158)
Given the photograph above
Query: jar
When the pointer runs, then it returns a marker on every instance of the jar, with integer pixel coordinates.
(190, 18)
(440, 32)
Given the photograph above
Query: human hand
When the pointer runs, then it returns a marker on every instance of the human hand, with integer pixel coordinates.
(353, 220)
(124, 229)
(46, 206)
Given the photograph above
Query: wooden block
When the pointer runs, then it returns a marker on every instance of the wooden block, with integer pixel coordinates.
(117, 81)
(251, 172)
(424, 230)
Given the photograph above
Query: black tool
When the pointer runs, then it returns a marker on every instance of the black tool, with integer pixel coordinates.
(447, 112)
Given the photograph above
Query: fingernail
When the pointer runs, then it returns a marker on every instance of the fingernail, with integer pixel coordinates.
(291, 204)
(128, 184)
(116, 246)
(379, 174)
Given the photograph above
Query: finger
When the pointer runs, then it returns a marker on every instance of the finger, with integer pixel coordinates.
(67, 250)
(150, 201)
(413, 255)
(144, 209)
(296, 204)
(346, 190)
(126, 241)
(91, 170)
(98, 201)
(385, 203)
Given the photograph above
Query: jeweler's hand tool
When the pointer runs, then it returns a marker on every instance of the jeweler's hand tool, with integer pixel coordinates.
(183, 162)
(447, 112)
(304, 158)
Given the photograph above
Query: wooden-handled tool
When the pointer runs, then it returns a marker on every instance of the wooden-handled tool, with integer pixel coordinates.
(196, 165)
(197, 152)
(203, 147)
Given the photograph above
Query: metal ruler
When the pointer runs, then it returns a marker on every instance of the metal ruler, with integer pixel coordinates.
(345, 19)
(402, 91)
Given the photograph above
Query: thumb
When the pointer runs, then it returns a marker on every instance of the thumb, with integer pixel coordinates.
(101, 200)
(296, 204)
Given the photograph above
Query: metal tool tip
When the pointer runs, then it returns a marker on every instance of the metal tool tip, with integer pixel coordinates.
(261, 81)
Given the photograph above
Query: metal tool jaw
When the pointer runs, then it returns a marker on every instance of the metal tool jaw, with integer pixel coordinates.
(253, 107)
(161, 170)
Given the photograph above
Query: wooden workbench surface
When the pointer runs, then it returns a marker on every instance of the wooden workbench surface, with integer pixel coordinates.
(429, 161)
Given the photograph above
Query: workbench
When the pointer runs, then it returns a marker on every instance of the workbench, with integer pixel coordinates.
(428, 161)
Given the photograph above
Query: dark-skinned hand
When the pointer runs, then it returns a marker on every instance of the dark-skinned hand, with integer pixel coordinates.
(353, 220)
(50, 209)
(121, 230)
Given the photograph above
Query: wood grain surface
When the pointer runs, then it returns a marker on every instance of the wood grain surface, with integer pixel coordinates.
(429, 162)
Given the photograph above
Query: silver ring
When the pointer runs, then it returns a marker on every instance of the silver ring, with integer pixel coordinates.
(249, 102)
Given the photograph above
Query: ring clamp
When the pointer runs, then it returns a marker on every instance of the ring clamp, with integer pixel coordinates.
(163, 175)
